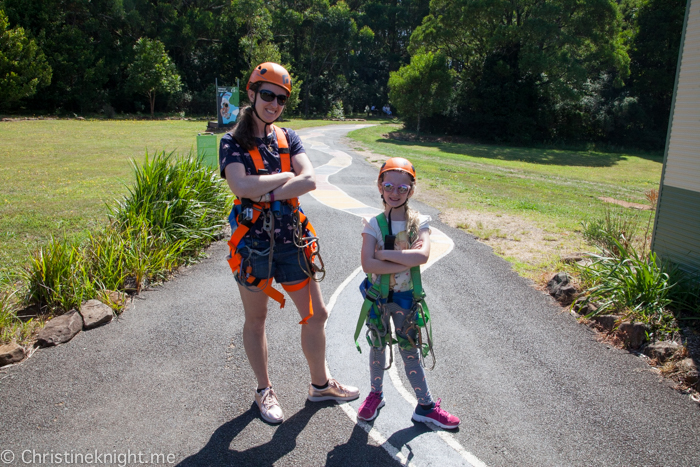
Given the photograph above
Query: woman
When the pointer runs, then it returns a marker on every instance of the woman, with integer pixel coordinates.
(267, 169)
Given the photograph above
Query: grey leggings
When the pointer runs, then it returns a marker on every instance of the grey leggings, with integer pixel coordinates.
(411, 361)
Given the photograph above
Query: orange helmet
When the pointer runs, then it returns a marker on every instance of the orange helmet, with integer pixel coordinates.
(400, 164)
(273, 73)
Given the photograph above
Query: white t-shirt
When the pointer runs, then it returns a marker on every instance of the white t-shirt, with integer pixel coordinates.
(401, 281)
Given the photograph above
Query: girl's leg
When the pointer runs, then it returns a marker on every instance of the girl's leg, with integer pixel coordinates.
(411, 361)
(254, 337)
(313, 334)
(377, 363)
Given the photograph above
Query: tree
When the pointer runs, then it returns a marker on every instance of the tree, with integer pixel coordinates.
(421, 88)
(23, 66)
(654, 55)
(545, 50)
(152, 72)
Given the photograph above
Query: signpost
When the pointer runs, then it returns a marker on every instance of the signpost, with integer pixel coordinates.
(227, 104)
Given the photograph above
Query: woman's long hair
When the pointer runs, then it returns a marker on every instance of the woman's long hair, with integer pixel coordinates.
(244, 131)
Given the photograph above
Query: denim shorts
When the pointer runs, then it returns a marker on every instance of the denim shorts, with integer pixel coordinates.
(288, 262)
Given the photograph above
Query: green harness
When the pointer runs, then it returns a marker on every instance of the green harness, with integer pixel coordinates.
(374, 313)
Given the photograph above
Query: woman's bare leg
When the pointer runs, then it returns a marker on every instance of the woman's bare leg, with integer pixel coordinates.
(313, 333)
(254, 337)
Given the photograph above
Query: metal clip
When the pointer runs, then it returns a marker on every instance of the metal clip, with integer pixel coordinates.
(267, 224)
(246, 215)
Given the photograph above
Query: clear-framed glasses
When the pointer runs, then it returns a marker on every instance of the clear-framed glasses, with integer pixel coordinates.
(269, 96)
(401, 189)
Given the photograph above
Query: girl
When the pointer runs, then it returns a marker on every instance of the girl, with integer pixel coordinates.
(410, 234)
(267, 169)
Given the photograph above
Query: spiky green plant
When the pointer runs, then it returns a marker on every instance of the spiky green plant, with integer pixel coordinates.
(58, 277)
(177, 197)
(622, 281)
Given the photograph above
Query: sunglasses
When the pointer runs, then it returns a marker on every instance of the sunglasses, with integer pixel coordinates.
(401, 189)
(269, 96)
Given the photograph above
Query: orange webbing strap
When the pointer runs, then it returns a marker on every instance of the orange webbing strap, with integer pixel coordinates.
(299, 286)
(283, 148)
(266, 286)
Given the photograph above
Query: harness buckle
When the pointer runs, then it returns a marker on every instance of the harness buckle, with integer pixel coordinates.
(372, 294)
(246, 215)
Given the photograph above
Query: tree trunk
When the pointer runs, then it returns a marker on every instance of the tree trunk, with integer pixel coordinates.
(418, 126)
(152, 99)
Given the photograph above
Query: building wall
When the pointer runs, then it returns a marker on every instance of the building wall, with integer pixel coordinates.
(677, 226)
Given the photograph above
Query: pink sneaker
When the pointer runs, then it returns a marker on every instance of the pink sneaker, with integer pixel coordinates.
(436, 415)
(370, 407)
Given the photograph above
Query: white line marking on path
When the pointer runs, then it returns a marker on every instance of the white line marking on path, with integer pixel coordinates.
(441, 245)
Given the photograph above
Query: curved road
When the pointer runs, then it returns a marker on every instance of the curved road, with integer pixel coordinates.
(170, 378)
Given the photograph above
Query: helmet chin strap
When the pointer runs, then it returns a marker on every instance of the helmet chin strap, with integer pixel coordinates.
(255, 111)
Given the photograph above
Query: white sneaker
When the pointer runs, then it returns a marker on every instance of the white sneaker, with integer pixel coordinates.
(269, 406)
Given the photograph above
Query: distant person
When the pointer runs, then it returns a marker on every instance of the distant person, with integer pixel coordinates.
(394, 245)
(387, 110)
(267, 169)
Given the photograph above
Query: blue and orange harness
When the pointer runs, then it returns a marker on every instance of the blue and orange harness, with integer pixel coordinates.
(246, 213)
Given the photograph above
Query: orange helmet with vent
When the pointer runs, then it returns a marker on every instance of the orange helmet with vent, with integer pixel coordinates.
(273, 73)
(400, 164)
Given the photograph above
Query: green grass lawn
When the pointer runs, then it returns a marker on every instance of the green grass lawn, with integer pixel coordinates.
(556, 183)
(555, 189)
(56, 176)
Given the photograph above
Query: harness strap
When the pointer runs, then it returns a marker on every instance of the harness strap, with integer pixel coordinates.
(299, 286)
(283, 148)
(266, 286)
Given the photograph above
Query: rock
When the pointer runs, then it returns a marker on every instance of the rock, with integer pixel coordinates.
(586, 309)
(11, 353)
(559, 288)
(117, 298)
(633, 334)
(557, 281)
(661, 351)
(607, 322)
(689, 370)
(566, 294)
(60, 329)
(95, 313)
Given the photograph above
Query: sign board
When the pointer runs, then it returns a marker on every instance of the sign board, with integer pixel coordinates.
(227, 101)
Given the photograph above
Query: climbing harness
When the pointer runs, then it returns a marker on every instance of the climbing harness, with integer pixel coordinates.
(375, 312)
(246, 213)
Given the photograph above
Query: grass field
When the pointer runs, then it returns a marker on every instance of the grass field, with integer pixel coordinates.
(504, 194)
(57, 175)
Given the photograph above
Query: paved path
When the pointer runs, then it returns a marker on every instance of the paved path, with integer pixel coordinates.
(532, 386)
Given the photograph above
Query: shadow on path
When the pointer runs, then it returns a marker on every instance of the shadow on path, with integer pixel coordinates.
(218, 450)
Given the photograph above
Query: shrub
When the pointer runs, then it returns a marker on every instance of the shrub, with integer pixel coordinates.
(58, 277)
(175, 208)
(179, 198)
(615, 228)
(632, 285)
